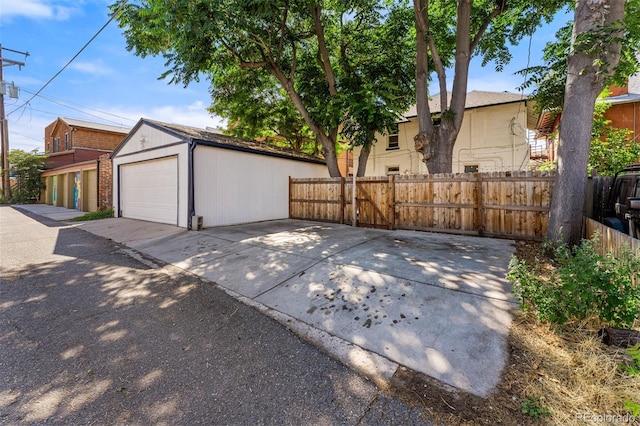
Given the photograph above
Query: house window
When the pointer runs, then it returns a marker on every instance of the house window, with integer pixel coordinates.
(471, 169)
(66, 141)
(56, 145)
(393, 138)
(393, 170)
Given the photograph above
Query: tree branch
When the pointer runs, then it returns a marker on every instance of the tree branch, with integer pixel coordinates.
(243, 64)
(498, 10)
(316, 11)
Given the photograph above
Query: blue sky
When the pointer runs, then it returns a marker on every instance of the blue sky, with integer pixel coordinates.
(110, 85)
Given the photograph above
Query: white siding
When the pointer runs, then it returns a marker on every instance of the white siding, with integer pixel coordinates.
(235, 187)
(156, 144)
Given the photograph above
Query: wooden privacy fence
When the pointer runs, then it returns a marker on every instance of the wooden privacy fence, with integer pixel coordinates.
(506, 204)
(610, 240)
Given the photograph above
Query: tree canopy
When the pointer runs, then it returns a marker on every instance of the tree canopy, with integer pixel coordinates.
(26, 168)
(448, 34)
(339, 63)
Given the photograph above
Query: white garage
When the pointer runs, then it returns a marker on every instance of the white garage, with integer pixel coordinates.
(169, 173)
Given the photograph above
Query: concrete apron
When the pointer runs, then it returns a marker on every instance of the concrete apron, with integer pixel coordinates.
(437, 304)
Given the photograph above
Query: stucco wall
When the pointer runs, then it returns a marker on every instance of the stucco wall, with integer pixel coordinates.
(492, 138)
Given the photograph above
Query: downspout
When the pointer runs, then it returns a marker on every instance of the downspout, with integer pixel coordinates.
(191, 207)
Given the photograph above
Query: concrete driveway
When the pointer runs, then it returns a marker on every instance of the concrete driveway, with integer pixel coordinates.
(437, 304)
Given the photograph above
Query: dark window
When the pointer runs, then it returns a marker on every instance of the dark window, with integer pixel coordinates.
(471, 169)
(393, 137)
(56, 145)
(66, 141)
(393, 170)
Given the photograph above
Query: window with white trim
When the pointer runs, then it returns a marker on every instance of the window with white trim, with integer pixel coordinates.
(392, 142)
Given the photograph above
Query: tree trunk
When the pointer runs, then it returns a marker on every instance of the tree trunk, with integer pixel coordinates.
(584, 83)
(328, 142)
(362, 160)
(436, 143)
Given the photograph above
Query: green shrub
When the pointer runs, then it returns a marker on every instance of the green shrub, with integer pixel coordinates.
(534, 408)
(582, 285)
(100, 214)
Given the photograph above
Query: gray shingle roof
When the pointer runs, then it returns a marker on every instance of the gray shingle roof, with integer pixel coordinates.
(475, 99)
(96, 126)
(214, 138)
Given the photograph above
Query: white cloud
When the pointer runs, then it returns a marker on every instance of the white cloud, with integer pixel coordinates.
(94, 68)
(35, 9)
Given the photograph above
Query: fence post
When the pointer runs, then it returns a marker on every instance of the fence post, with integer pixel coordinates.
(354, 201)
(392, 201)
(479, 204)
(342, 201)
(290, 183)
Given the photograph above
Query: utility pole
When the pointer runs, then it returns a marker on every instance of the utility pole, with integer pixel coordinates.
(4, 126)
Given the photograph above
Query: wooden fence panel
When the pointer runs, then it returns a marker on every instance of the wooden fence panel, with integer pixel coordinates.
(610, 239)
(511, 205)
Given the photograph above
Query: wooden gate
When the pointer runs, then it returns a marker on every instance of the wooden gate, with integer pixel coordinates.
(374, 198)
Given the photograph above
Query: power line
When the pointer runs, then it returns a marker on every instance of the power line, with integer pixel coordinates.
(84, 110)
(74, 57)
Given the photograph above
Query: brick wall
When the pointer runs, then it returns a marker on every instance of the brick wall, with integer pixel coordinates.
(105, 182)
(96, 139)
(625, 116)
(79, 137)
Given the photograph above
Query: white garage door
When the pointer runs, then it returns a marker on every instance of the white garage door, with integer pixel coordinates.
(149, 190)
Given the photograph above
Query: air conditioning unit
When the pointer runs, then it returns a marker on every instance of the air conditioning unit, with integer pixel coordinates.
(196, 223)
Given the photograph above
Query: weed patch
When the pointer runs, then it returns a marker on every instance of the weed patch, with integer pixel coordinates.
(100, 214)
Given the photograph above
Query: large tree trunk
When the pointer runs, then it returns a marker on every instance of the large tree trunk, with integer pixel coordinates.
(362, 160)
(436, 143)
(328, 141)
(584, 83)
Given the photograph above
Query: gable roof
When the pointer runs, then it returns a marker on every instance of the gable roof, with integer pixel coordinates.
(213, 138)
(475, 99)
(93, 126)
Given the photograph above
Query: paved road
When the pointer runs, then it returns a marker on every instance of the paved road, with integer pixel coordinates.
(91, 335)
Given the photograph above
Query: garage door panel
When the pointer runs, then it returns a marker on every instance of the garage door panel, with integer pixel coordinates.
(149, 190)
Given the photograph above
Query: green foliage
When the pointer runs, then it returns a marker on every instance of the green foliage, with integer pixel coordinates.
(611, 148)
(634, 368)
(100, 214)
(547, 166)
(632, 406)
(534, 408)
(26, 168)
(548, 80)
(582, 286)
(275, 65)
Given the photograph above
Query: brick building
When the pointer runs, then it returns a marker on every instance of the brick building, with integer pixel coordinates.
(68, 141)
(624, 109)
(78, 169)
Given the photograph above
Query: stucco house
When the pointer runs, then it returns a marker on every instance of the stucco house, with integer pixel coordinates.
(192, 178)
(78, 169)
(493, 137)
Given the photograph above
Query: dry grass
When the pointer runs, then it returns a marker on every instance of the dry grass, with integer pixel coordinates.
(575, 373)
(569, 372)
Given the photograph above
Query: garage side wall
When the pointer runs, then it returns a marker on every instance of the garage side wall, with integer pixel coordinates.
(235, 187)
(147, 145)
